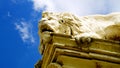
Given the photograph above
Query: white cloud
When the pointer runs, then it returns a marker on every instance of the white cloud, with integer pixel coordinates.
(80, 7)
(9, 14)
(25, 31)
(43, 4)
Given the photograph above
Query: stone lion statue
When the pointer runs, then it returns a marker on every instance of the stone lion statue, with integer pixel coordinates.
(95, 26)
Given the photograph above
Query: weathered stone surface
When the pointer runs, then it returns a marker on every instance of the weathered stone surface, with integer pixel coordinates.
(63, 51)
(96, 26)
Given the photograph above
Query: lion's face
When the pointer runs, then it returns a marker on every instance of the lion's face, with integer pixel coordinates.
(58, 23)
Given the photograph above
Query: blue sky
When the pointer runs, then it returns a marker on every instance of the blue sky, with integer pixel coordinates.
(18, 52)
(19, 39)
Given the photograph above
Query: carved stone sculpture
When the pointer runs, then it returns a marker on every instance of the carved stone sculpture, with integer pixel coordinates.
(69, 41)
(95, 26)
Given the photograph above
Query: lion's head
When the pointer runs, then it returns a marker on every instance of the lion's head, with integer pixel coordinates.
(97, 26)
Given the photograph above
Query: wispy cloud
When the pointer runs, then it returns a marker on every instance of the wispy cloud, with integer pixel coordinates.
(9, 14)
(79, 7)
(25, 31)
